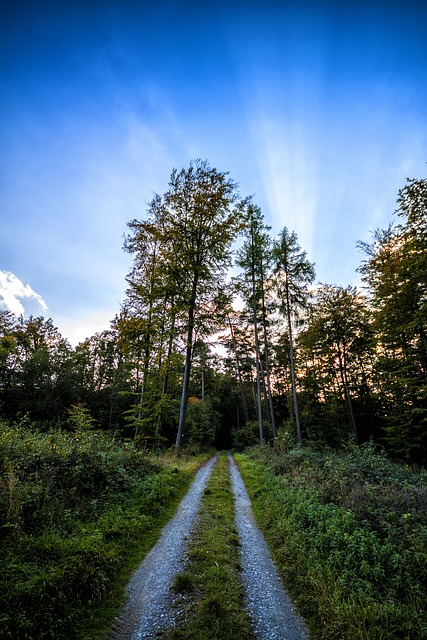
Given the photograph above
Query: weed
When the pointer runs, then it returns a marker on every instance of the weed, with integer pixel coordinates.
(183, 583)
(78, 510)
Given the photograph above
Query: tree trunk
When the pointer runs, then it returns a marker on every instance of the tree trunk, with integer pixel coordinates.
(187, 367)
(343, 374)
(239, 374)
(166, 374)
(267, 366)
(257, 359)
(291, 356)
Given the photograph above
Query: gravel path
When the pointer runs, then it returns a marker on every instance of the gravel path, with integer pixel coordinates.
(148, 610)
(272, 614)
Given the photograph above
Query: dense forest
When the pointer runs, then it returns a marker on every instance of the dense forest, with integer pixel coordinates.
(224, 338)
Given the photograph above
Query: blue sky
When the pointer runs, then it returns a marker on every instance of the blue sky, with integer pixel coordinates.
(317, 108)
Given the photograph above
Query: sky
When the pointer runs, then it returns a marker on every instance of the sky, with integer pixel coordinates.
(318, 109)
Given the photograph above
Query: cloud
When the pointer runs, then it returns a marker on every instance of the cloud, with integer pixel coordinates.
(83, 325)
(12, 290)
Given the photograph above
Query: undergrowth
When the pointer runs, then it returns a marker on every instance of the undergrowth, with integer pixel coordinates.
(210, 588)
(349, 534)
(77, 512)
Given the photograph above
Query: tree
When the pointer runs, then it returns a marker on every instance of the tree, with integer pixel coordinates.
(337, 339)
(395, 273)
(293, 274)
(37, 368)
(254, 258)
(194, 224)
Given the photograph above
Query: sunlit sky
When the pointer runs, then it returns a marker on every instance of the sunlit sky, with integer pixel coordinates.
(317, 109)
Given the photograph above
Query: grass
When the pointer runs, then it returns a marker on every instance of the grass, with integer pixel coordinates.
(349, 535)
(211, 592)
(78, 511)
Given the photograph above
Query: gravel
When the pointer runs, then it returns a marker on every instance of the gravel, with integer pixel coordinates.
(148, 611)
(270, 609)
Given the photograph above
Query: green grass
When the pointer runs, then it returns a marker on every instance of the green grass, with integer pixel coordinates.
(78, 511)
(349, 535)
(210, 588)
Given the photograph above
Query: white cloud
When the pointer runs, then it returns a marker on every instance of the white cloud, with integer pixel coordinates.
(13, 290)
(78, 328)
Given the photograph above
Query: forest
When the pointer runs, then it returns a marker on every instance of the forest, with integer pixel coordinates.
(225, 339)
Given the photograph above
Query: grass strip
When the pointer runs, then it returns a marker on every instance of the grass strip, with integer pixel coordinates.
(211, 593)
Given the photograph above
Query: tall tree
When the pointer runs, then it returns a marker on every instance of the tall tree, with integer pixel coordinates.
(338, 327)
(194, 223)
(200, 217)
(395, 273)
(254, 258)
(293, 275)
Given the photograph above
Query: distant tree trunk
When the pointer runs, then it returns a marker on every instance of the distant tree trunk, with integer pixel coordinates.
(257, 357)
(239, 373)
(187, 367)
(203, 383)
(291, 356)
(267, 365)
(253, 392)
(344, 380)
(167, 367)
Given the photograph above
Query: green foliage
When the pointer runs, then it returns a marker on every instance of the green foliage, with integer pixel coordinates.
(248, 434)
(349, 533)
(182, 251)
(336, 340)
(75, 509)
(201, 421)
(79, 417)
(395, 273)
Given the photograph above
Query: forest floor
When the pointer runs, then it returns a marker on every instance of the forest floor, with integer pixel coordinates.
(172, 594)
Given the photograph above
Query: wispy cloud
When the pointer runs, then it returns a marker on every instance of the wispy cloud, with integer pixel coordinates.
(13, 290)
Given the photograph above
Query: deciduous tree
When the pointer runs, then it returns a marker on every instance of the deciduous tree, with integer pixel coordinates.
(293, 275)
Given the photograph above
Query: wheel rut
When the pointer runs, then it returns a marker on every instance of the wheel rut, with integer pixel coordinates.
(270, 609)
(148, 611)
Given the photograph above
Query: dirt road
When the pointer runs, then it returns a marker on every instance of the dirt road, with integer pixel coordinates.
(149, 610)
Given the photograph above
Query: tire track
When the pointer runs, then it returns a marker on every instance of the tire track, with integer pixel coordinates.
(148, 611)
(272, 613)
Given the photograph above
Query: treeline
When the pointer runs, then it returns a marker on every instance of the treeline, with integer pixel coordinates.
(321, 362)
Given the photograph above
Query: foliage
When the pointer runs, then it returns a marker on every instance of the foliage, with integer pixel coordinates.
(349, 533)
(254, 258)
(76, 508)
(337, 347)
(201, 422)
(347, 362)
(187, 238)
(395, 273)
(293, 275)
